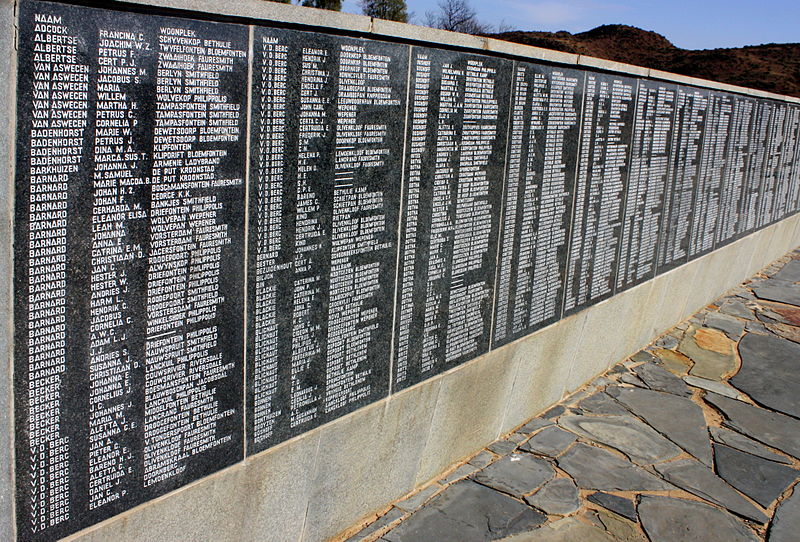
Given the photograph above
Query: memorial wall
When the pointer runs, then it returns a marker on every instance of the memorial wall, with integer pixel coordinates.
(227, 234)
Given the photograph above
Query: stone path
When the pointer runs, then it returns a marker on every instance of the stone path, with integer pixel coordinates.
(695, 438)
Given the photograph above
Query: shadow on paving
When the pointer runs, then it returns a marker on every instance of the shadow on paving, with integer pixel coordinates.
(695, 438)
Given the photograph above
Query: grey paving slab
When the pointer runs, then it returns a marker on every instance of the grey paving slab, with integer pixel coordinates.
(642, 356)
(697, 478)
(707, 363)
(668, 341)
(517, 438)
(534, 425)
(790, 271)
(516, 474)
(678, 418)
(467, 511)
(631, 379)
(748, 471)
(503, 447)
(788, 314)
(758, 478)
(554, 412)
(713, 385)
(627, 434)
(482, 459)
(564, 530)
(619, 505)
(778, 290)
(674, 361)
(733, 327)
(595, 468)
(658, 378)
(786, 524)
(601, 382)
(773, 429)
(387, 519)
(550, 441)
(575, 397)
(602, 403)
(766, 310)
(559, 496)
(770, 317)
(790, 332)
(666, 519)
(620, 528)
(462, 471)
(756, 327)
(770, 372)
(745, 444)
(419, 498)
(737, 308)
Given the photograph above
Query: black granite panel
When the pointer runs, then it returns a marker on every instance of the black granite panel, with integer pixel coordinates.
(457, 130)
(773, 162)
(128, 260)
(540, 175)
(690, 117)
(647, 182)
(737, 157)
(754, 173)
(785, 184)
(713, 162)
(794, 183)
(328, 118)
(792, 161)
(769, 172)
(603, 163)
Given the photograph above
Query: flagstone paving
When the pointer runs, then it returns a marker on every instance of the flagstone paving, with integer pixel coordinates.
(695, 438)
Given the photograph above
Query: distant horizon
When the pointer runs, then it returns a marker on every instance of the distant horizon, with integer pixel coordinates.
(712, 24)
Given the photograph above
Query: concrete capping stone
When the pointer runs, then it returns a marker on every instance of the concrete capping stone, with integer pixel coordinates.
(266, 11)
(433, 36)
(8, 101)
(611, 65)
(530, 52)
(346, 22)
(677, 78)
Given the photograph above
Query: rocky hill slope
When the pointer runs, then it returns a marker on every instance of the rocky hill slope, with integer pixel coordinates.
(774, 67)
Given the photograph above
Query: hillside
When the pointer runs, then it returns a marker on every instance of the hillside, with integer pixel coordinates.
(774, 67)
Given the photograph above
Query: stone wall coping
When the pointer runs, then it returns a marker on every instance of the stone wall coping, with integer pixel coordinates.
(320, 19)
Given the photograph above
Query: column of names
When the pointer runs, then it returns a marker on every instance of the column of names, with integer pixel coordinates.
(269, 258)
(539, 181)
(323, 227)
(457, 128)
(56, 135)
(706, 207)
(651, 149)
(118, 177)
(195, 121)
(737, 157)
(690, 116)
(600, 186)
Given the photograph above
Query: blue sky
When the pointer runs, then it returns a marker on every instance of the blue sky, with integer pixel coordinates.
(697, 24)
